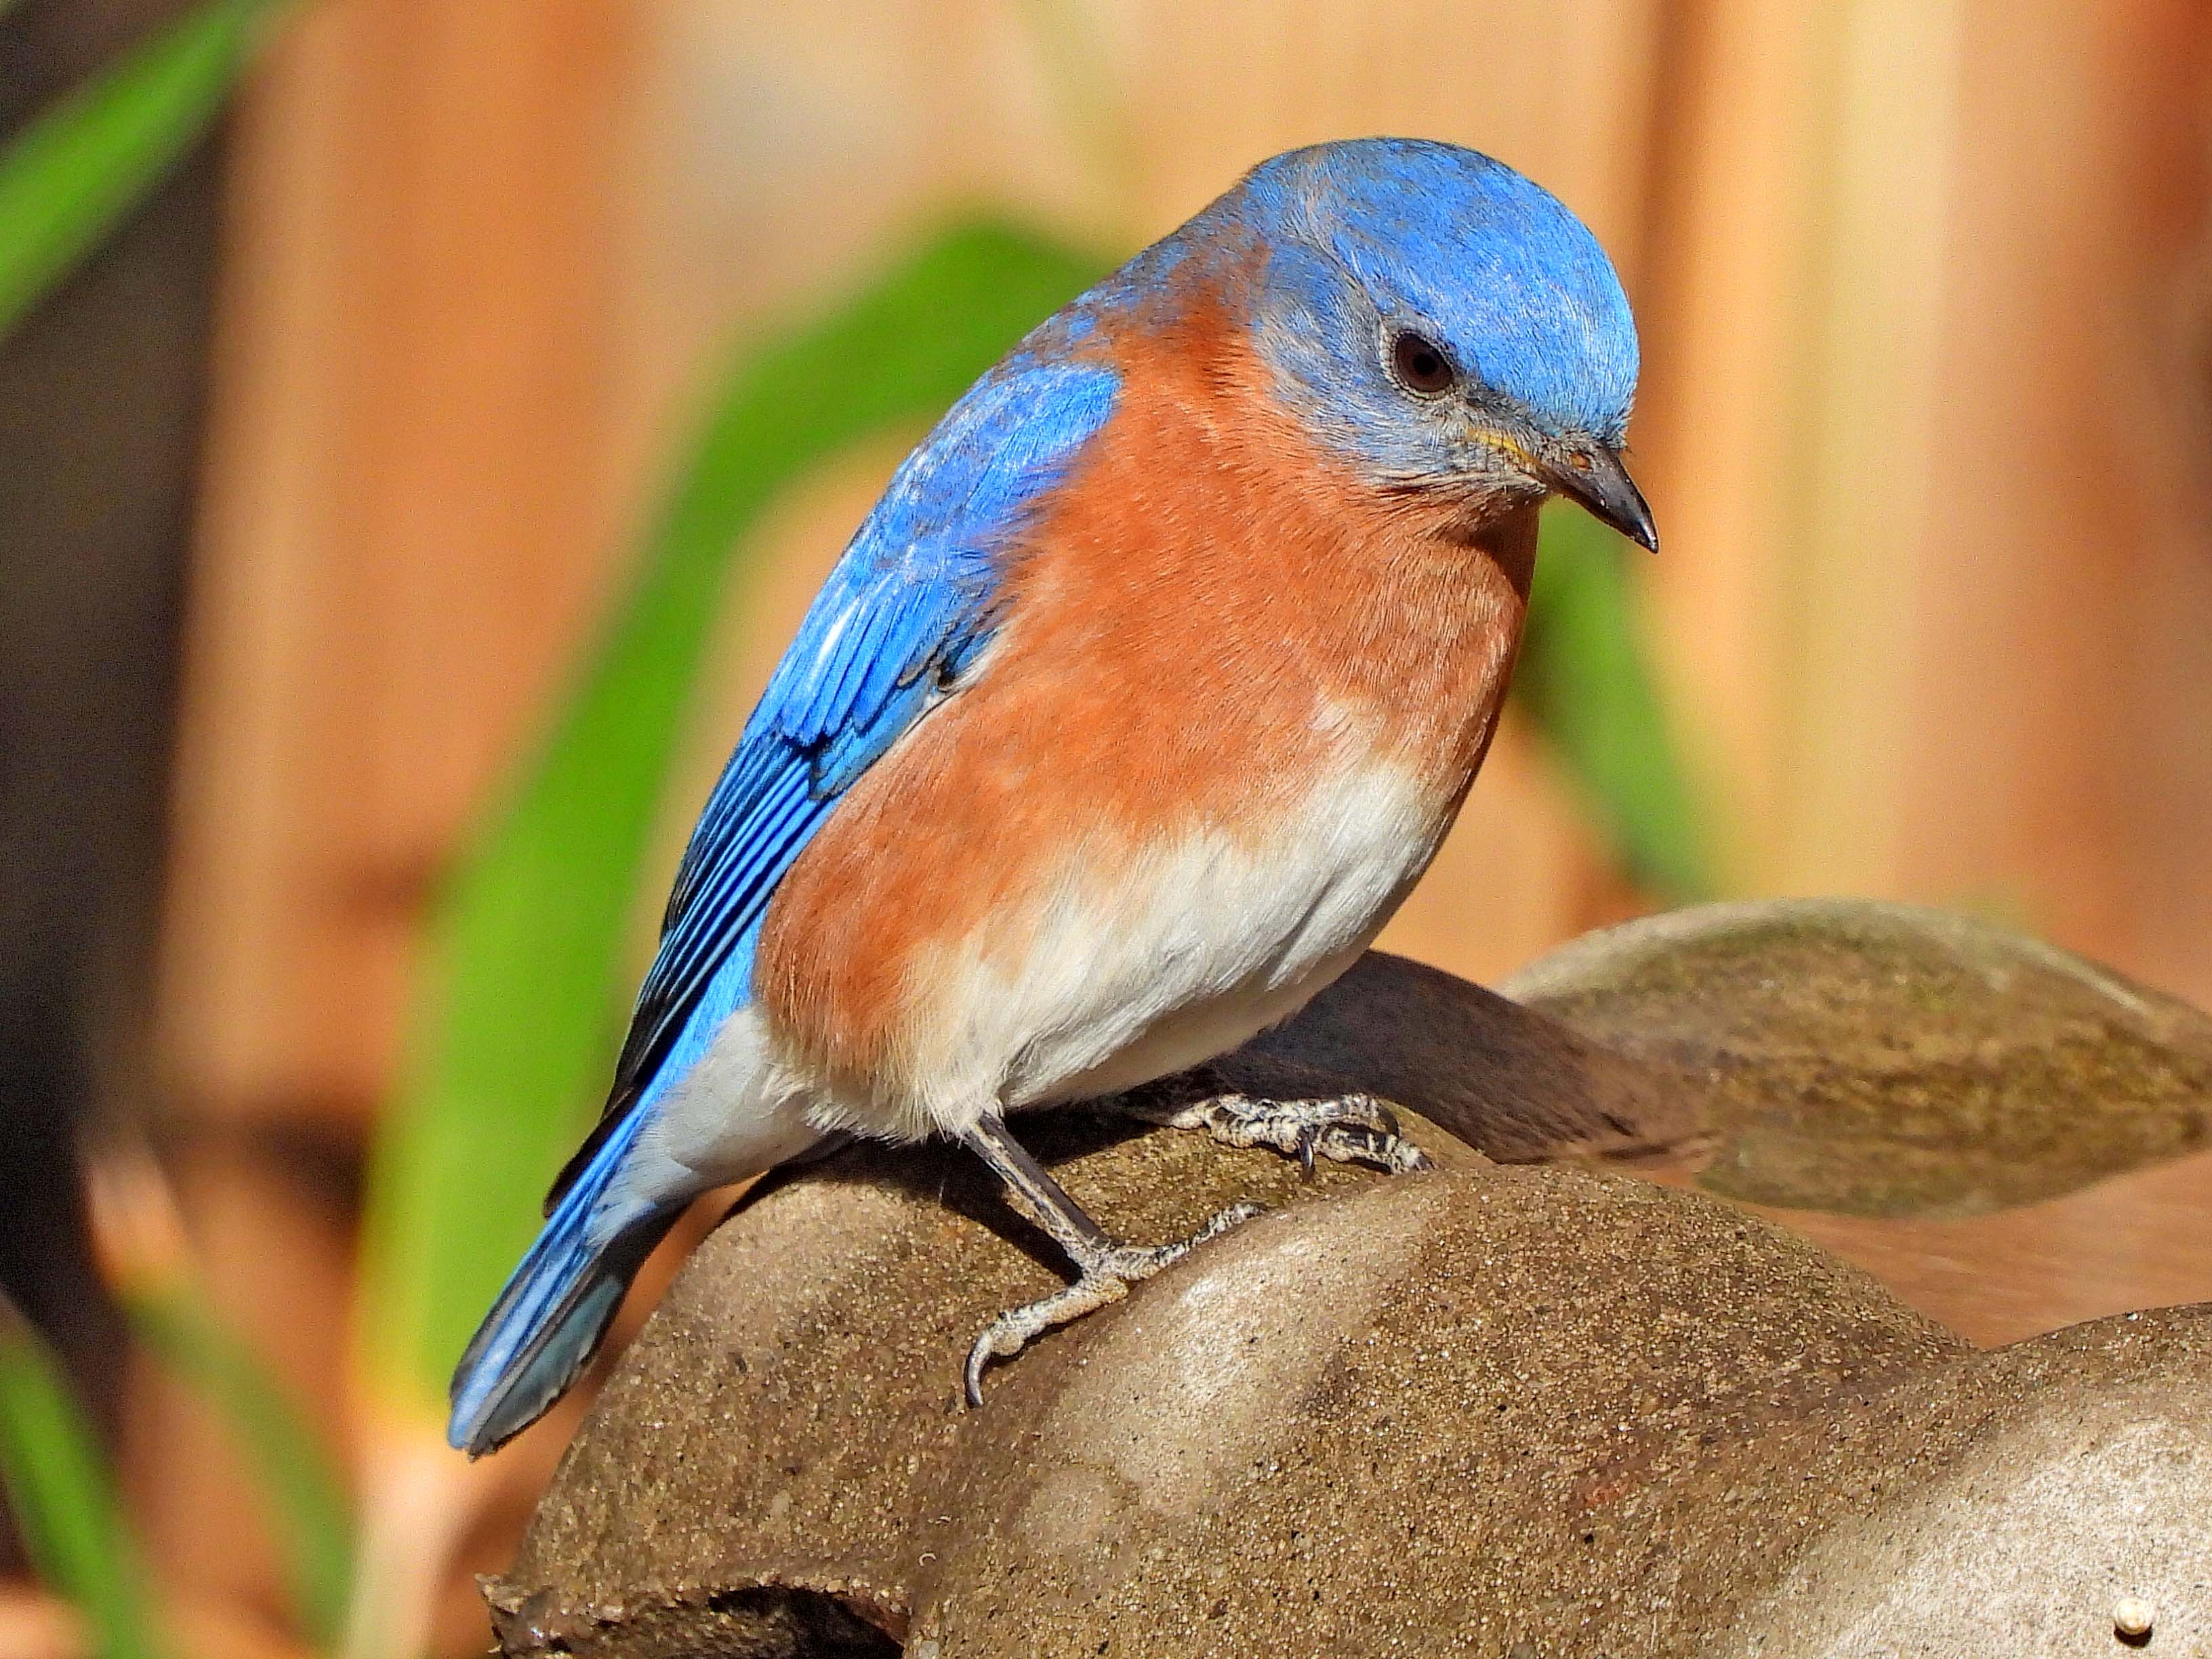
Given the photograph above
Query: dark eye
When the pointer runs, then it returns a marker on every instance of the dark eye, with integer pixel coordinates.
(1421, 369)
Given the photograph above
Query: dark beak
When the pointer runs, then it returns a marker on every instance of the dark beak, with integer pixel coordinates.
(1597, 480)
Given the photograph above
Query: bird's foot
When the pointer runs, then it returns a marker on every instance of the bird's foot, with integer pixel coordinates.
(1104, 1274)
(1351, 1128)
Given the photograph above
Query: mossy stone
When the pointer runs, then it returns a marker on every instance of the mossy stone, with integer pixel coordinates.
(1887, 1059)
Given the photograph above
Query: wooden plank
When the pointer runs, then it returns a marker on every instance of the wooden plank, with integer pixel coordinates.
(407, 520)
(407, 525)
(2059, 752)
(1922, 429)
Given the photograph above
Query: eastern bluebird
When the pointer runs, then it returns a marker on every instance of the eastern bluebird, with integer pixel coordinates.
(1138, 703)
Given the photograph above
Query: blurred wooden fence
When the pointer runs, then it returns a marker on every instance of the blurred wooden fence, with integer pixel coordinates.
(1926, 292)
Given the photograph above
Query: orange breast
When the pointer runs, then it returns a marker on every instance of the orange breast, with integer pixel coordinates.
(1209, 613)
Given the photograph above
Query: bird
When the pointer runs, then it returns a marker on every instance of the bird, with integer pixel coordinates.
(1133, 709)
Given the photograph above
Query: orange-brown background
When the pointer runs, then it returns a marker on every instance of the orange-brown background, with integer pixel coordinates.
(1926, 292)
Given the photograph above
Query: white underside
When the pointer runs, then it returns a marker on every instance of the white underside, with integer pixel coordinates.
(1135, 970)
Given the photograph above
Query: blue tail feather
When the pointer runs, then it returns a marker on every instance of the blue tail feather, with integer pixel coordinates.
(556, 1308)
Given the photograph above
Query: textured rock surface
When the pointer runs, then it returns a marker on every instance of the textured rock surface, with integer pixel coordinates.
(1494, 1410)
(1888, 1060)
(2041, 1487)
(1438, 1415)
(1517, 1411)
(791, 1410)
(847, 1297)
(1412, 1394)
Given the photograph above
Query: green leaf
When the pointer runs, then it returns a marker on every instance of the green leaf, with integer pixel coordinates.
(313, 1526)
(508, 1047)
(62, 1494)
(1586, 677)
(75, 171)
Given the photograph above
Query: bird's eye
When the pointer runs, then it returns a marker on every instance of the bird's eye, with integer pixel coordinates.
(1421, 367)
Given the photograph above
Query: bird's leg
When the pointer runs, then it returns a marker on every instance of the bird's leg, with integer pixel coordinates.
(1104, 1269)
(1351, 1128)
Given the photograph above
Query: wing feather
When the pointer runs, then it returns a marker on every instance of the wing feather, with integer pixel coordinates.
(906, 610)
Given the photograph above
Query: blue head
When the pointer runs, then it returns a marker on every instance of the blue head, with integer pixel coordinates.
(1443, 322)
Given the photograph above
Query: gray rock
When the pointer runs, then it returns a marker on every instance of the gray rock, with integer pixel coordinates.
(2051, 1485)
(848, 1296)
(1488, 1410)
(1370, 1359)
(1885, 1059)
(1457, 1413)
(791, 1412)
(1529, 1412)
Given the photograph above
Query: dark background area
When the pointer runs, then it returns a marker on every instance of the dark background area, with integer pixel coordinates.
(102, 393)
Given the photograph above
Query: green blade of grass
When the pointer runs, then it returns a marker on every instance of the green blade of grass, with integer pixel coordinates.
(309, 1506)
(62, 1495)
(510, 1042)
(80, 167)
(1587, 680)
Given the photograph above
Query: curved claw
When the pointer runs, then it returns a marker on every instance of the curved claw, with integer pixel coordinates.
(1353, 1128)
(1102, 1280)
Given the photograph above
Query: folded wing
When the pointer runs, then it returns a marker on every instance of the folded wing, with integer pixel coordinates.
(904, 615)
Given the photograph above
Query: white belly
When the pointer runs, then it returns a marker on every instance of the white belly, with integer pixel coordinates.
(1139, 967)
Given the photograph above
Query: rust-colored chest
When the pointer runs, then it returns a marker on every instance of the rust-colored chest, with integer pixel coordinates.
(1210, 618)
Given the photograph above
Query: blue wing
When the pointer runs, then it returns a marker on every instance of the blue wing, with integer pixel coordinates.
(907, 609)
